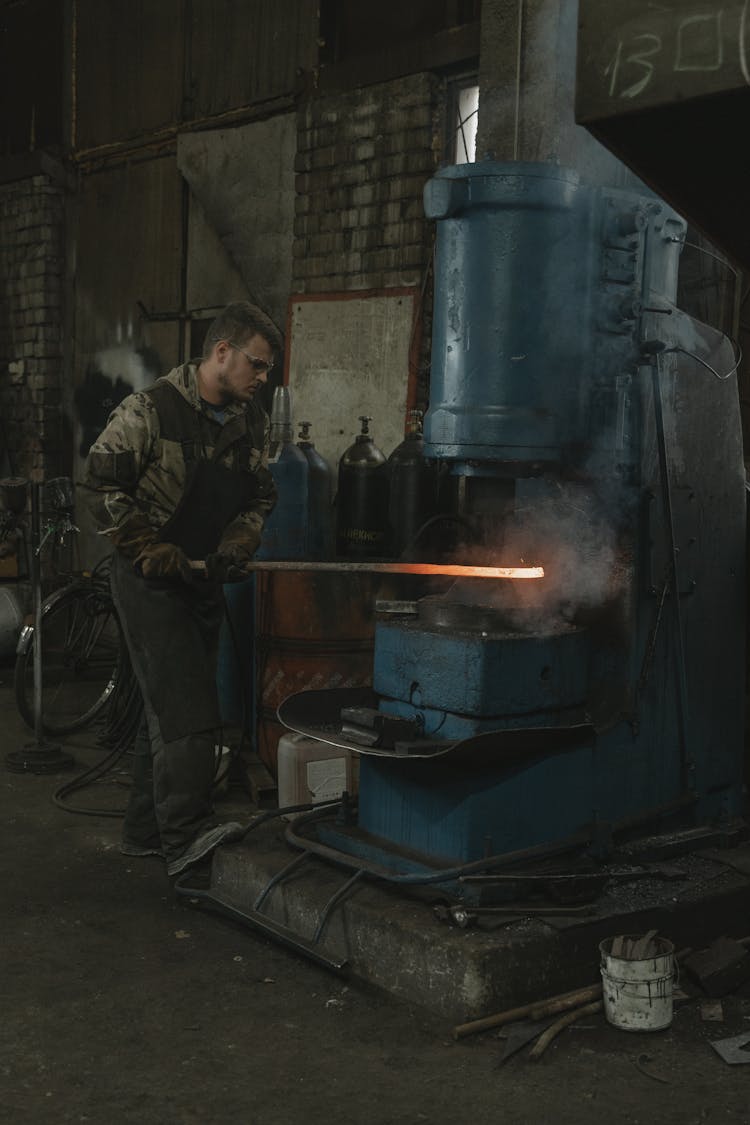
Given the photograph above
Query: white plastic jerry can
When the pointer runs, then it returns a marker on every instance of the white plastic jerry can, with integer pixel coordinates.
(310, 771)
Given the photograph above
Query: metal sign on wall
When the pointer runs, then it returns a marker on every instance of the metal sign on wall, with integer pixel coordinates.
(349, 354)
(666, 87)
(634, 54)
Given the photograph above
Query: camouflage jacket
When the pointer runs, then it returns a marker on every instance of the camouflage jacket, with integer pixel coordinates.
(132, 469)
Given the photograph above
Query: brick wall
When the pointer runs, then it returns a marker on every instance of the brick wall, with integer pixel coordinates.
(31, 335)
(362, 161)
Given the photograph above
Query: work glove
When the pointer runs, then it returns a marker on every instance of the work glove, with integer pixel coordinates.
(163, 560)
(133, 536)
(228, 566)
(233, 555)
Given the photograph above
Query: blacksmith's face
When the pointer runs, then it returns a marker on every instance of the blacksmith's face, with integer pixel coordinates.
(243, 368)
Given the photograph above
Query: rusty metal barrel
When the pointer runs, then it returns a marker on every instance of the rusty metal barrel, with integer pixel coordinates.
(314, 631)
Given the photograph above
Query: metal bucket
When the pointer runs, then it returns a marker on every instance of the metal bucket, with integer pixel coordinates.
(637, 992)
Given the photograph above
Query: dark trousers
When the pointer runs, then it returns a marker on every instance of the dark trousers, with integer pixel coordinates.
(172, 633)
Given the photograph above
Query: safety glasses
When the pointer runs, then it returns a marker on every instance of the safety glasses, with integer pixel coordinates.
(261, 366)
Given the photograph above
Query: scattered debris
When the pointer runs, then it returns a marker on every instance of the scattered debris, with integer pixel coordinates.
(721, 968)
(627, 948)
(538, 1009)
(732, 1050)
(546, 1037)
(521, 1033)
(641, 1064)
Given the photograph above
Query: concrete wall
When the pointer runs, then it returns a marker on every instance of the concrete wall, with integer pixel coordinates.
(244, 181)
(211, 270)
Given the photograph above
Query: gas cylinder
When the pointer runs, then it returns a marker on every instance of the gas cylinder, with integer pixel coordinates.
(285, 531)
(362, 501)
(320, 495)
(413, 490)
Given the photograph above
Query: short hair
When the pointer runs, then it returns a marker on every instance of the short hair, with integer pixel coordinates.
(237, 323)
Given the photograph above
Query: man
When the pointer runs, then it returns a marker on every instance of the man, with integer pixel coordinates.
(180, 476)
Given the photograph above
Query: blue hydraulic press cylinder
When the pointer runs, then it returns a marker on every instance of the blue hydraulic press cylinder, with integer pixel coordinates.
(520, 288)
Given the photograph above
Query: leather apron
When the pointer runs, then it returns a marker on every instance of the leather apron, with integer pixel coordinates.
(173, 626)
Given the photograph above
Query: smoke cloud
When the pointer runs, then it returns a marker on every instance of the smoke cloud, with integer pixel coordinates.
(569, 532)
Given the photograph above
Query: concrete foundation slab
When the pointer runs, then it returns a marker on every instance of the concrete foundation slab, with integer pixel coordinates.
(397, 942)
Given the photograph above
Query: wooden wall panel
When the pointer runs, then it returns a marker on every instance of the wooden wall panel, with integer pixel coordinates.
(129, 251)
(31, 75)
(245, 51)
(129, 68)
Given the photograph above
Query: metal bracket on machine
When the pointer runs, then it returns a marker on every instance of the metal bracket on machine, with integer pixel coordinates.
(349, 718)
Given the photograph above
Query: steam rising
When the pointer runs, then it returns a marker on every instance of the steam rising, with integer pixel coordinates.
(122, 362)
(569, 533)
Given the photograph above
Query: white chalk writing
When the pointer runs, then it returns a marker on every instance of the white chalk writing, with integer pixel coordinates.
(635, 58)
(693, 33)
(743, 41)
(697, 43)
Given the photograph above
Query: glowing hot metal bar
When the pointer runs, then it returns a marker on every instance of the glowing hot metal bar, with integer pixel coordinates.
(449, 570)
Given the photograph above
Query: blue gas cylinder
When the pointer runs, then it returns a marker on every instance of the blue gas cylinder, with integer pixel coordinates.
(285, 533)
(320, 496)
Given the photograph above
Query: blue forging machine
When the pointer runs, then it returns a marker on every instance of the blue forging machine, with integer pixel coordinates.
(586, 425)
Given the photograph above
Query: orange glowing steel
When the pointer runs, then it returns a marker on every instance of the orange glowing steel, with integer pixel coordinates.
(469, 571)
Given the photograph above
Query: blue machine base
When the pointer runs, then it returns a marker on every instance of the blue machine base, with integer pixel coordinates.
(454, 815)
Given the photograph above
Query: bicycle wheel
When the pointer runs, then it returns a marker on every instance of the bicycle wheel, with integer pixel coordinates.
(82, 656)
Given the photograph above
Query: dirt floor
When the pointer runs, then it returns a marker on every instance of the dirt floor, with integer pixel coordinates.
(122, 1005)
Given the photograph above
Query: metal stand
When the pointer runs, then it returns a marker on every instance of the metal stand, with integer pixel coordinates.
(284, 935)
(38, 756)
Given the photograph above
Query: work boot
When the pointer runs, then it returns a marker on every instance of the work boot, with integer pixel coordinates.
(204, 843)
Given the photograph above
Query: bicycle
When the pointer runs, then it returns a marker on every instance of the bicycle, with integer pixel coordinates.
(84, 658)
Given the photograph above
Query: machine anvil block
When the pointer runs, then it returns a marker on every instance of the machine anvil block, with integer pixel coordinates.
(471, 674)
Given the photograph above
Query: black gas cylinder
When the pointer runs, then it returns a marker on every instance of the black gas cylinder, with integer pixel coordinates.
(362, 500)
(320, 496)
(413, 490)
